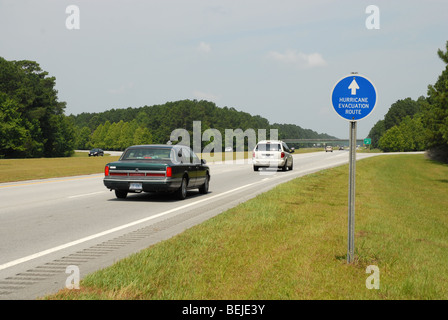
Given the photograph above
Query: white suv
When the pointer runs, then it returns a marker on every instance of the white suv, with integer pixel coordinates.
(272, 153)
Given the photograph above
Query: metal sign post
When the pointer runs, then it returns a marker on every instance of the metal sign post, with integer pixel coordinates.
(351, 194)
(353, 98)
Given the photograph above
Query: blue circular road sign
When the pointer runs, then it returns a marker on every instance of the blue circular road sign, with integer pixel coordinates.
(354, 97)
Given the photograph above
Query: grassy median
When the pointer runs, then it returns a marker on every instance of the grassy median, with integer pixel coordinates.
(29, 169)
(291, 243)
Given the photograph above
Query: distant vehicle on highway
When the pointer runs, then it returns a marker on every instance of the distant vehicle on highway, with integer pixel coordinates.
(272, 153)
(96, 152)
(341, 148)
(228, 149)
(157, 168)
(328, 149)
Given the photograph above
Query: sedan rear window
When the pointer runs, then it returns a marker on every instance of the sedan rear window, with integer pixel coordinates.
(147, 154)
(268, 147)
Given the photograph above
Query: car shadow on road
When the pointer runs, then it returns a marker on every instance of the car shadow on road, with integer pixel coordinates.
(157, 197)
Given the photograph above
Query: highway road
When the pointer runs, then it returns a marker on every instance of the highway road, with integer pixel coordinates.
(47, 225)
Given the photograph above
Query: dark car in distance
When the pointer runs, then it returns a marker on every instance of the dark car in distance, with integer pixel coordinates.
(157, 168)
(96, 152)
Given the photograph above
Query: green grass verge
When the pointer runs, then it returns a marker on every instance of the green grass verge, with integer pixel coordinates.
(291, 243)
(42, 168)
(364, 150)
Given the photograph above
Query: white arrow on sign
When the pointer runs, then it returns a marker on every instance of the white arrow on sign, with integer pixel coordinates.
(353, 86)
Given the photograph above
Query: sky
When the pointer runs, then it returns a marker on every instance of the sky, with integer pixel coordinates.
(278, 59)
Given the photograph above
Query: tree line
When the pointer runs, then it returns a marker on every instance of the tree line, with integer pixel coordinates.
(116, 129)
(417, 125)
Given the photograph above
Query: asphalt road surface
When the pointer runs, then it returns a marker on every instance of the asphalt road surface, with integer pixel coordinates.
(48, 225)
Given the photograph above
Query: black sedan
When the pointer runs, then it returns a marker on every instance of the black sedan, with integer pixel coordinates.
(96, 152)
(157, 168)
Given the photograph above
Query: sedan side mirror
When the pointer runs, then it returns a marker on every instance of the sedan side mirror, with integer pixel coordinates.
(203, 161)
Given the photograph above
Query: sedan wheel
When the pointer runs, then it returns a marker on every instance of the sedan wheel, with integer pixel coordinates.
(204, 188)
(181, 194)
(121, 194)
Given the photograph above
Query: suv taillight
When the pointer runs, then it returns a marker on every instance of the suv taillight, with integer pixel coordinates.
(283, 155)
(106, 171)
(253, 154)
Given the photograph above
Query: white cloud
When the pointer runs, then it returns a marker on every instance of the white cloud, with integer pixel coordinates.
(204, 47)
(199, 95)
(299, 59)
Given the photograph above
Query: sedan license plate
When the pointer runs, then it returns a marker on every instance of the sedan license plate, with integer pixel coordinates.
(135, 186)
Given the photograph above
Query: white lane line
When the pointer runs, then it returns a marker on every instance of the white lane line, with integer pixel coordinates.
(86, 194)
(100, 234)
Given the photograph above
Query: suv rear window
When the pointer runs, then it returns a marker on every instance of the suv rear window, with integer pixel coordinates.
(268, 147)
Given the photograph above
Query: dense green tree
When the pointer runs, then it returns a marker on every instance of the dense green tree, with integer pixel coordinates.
(399, 110)
(435, 113)
(118, 135)
(126, 137)
(142, 136)
(376, 133)
(98, 139)
(392, 140)
(13, 133)
(414, 132)
(64, 139)
(83, 136)
(33, 120)
(409, 135)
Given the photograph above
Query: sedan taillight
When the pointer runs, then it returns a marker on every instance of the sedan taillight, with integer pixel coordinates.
(106, 171)
(169, 171)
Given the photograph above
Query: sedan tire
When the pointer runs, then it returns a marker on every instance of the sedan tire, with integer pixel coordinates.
(121, 194)
(204, 188)
(181, 193)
